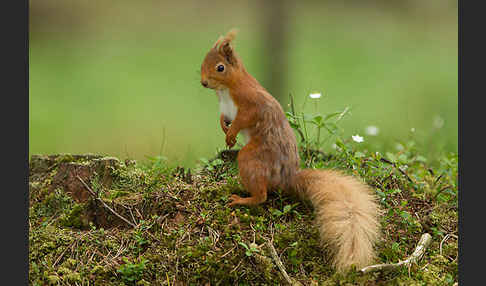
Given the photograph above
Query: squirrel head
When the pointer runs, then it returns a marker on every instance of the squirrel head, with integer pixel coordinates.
(221, 64)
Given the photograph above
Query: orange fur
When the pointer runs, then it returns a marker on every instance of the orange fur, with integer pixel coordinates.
(347, 212)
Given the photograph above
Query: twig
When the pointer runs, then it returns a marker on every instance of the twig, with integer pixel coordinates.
(438, 178)
(92, 255)
(70, 246)
(104, 204)
(177, 268)
(236, 266)
(399, 169)
(280, 265)
(419, 251)
(131, 214)
(105, 257)
(444, 239)
(405, 174)
(139, 214)
(441, 190)
(228, 252)
(60, 256)
(119, 251)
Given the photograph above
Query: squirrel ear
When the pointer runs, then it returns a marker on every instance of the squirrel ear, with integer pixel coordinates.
(226, 50)
(215, 45)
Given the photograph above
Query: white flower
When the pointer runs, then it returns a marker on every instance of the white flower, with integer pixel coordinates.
(334, 146)
(372, 130)
(413, 129)
(357, 138)
(438, 122)
(315, 95)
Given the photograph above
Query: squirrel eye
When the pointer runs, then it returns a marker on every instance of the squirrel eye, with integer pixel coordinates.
(220, 68)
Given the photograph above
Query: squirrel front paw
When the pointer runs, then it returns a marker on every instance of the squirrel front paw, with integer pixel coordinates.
(224, 123)
(230, 140)
(225, 128)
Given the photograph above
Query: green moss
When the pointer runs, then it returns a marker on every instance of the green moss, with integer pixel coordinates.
(143, 283)
(444, 216)
(69, 263)
(53, 280)
(75, 217)
(113, 194)
(73, 277)
(62, 270)
(186, 231)
(65, 158)
(49, 203)
(97, 270)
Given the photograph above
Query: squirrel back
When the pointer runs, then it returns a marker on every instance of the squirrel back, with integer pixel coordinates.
(346, 208)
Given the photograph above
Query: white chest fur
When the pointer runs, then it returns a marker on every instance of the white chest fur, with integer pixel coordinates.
(226, 104)
(228, 108)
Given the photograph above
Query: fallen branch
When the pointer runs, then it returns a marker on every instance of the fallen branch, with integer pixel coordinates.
(113, 211)
(104, 204)
(280, 265)
(419, 251)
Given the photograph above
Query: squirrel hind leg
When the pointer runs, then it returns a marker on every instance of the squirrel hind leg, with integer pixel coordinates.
(252, 177)
(257, 188)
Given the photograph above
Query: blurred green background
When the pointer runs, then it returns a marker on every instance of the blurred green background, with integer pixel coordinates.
(122, 77)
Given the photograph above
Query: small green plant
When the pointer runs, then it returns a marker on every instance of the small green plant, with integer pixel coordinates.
(211, 164)
(157, 164)
(251, 249)
(139, 236)
(287, 209)
(302, 123)
(217, 168)
(292, 254)
(132, 272)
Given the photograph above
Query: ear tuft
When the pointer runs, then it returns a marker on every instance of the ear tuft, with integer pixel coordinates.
(225, 47)
(231, 35)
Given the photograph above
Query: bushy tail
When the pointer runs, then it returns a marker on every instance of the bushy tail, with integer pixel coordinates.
(346, 214)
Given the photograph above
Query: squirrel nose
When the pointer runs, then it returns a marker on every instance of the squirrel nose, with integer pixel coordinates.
(204, 83)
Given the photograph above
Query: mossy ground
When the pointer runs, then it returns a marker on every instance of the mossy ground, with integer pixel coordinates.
(185, 234)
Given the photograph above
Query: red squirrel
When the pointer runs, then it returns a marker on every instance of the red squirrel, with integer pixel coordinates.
(346, 208)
